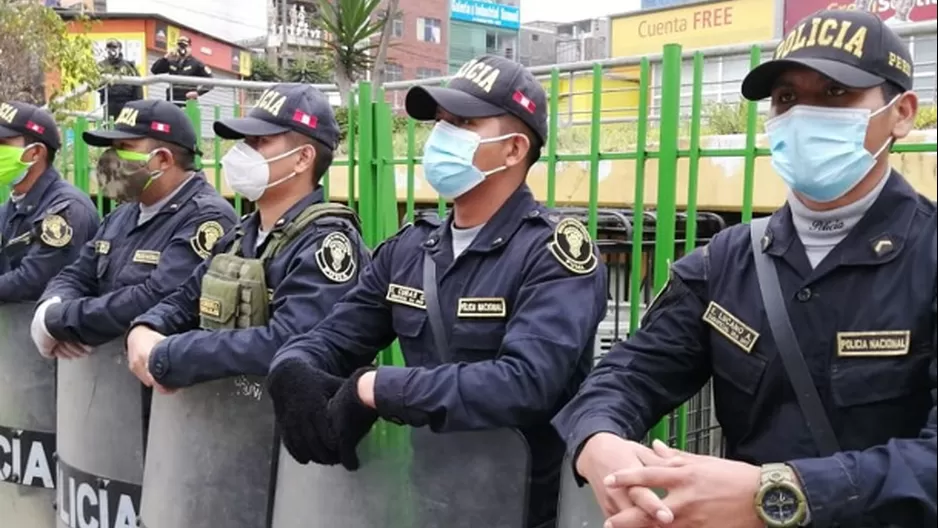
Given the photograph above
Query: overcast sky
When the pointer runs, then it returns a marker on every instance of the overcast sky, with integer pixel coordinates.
(569, 10)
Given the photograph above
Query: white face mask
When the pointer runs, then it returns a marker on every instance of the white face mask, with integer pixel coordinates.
(248, 172)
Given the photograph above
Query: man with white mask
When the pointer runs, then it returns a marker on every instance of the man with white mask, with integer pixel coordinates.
(817, 324)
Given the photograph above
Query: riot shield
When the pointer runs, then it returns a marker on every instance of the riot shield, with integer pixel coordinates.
(577, 507)
(414, 478)
(209, 456)
(101, 413)
(27, 424)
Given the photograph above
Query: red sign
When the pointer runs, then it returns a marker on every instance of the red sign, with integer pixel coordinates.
(894, 12)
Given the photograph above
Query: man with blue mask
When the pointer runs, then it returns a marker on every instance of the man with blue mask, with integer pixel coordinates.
(817, 324)
(46, 219)
(496, 306)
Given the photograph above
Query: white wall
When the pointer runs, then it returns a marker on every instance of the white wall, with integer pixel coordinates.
(231, 20)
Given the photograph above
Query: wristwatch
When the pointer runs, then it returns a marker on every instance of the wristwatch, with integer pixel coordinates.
(780, 502)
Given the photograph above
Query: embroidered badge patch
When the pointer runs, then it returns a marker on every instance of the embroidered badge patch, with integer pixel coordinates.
(572, 247)
(481, 307)
(335, 258)
(884, 343)
(55, 231)
(407, 296)
(205, 238)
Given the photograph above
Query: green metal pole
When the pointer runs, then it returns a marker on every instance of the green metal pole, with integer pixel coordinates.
(752, 120)
(195, 115)
(80, 153)
(595, 131)
(351, 135)
(238, 201)
(552, 137)
(411, 166)
(667, 180)
(638, 207)
(367, 209)
(216, 144)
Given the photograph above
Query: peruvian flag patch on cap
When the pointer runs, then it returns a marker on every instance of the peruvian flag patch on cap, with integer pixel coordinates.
(302, 117)
(39, 129)
(160, 127)
(523, 100)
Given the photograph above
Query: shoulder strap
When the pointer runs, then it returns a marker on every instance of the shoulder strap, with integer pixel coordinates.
(788, 347)
(434, 313)
(310, 215)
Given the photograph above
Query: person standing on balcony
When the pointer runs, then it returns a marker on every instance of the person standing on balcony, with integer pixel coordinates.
(115, 96)
(520, 294)
(46, 220)
(826, 389)
(181, 62)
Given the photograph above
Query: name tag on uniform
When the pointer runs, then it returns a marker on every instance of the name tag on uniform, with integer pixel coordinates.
(407, 296)
(209, 307)
(102, 247)
(873, 344)
(738, 332)
(147, 257)
(481, 307)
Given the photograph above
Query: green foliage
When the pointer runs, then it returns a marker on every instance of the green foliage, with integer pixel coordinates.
(35, 41)
(729, 118)
(351, 26)
(310, 71)
(927, 117)
(263, 71)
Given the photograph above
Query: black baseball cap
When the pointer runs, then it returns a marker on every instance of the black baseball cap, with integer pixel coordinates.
(148, 118)
(283, 108)
(32, 122)
(854, 48)
(486, 86)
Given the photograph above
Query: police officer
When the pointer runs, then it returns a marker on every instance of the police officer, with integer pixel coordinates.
(181, 62)
(169, 221)
(854, 251)
(46, 220)
(286, 146)
(115, 96)
(520, 294)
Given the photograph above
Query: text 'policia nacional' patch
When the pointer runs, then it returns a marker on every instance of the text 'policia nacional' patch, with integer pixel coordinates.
(147, 257)
(335, 258)
(205, 238)
(572, 247)
(481, 307)
(873, 344)
(407, 296)
(738, 332)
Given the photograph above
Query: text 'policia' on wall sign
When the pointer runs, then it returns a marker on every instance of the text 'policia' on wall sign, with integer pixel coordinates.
(694, 27)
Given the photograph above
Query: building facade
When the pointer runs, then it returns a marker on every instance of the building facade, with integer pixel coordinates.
(419, 40)
(479, 28)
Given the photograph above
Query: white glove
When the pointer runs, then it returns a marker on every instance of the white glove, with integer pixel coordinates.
(44, 341)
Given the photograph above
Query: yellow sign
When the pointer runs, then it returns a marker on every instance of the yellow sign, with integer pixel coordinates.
(694, 27)
(172, 36)
(244, 62)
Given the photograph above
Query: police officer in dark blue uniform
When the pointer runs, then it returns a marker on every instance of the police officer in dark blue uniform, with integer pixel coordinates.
(46, 220)
(170, 220)
(854, 252)
(520, 291)
(287, 146)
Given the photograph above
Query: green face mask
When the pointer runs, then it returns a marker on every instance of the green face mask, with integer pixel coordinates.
(12, 167)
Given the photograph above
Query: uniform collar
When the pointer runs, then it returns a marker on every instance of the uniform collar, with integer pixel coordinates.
(34, 196)
(249, 227)
(876, 239)
(194, 185)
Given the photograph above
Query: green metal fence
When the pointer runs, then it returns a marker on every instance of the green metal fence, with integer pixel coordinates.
(632, 238)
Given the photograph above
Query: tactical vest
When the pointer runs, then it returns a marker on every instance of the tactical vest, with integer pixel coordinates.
(234, 289)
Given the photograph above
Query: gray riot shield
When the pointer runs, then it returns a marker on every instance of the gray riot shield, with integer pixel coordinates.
(209, 456)
(414, 478)
(27, 424)
(577, 507)
(101, 419)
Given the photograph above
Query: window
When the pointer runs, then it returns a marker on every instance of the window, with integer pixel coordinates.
(429, 30)
(491, 42)
(397, 26)
(428, 73)
(393, 72)
(535, 38)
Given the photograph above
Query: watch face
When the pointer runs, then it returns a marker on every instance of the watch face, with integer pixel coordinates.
(780, 505)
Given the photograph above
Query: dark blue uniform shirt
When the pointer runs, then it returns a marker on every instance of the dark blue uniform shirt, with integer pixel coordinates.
(301, 296)
(521, 330)
(127, 269)
(866, 321)
(41, 234)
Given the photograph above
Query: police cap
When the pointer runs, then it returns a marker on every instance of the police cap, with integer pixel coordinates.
(487, 86)
(29, 121)
(148, 118)
(283, 108)
(854, 48)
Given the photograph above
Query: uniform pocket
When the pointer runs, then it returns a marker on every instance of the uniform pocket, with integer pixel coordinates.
(863, 381)
(477, 340)
(743, 372)
(218, 303)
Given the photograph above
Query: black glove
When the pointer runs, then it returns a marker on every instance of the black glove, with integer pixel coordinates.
(300, 393)
(350, 419)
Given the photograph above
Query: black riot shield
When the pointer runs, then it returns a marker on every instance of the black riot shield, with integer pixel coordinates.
(578, 507)
(27, 424)
(413, 478)
(101, 418)
(209, 456)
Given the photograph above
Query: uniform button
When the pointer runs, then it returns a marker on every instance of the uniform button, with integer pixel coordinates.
(534, 214)
(804, 294)
(431, 242)
(174, 207)
(159, 368)
(498, 241)
(280, 222)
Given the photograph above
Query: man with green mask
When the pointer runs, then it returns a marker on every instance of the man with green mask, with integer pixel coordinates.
(46, 220)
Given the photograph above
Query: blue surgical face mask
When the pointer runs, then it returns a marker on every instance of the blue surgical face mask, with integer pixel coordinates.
(447, 159)
(819, 152)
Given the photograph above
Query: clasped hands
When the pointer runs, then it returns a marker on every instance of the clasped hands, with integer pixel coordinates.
(322, 417)
(700, 491)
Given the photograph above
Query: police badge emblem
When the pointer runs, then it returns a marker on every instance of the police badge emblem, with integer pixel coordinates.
(572, 247)
(334, 258)
(55, 231)
(207, 234)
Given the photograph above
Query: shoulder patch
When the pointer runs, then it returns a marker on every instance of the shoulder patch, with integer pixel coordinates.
(208, 70)
(55, 231)
(335, 257)
(58, 207)
(572, 247)
(206, 235)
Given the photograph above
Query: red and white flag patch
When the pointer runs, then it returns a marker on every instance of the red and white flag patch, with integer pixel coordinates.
(160, 127)
(35, 127)
(523, 100)
(306, 119)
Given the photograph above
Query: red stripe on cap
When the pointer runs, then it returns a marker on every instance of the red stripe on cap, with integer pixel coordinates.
(308, 120)
(523, 100)
(160, 127)
(39, 129)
